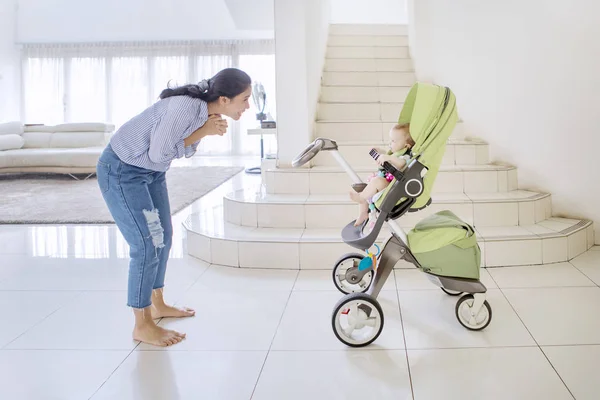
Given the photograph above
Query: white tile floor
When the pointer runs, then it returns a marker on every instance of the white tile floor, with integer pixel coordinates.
(266, 334)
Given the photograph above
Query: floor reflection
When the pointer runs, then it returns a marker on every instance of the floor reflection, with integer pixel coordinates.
(105, 241)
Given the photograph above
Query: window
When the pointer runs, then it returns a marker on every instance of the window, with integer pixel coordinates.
(87, 90)
(44, 90)
(114, 82)
(169, 71)
(261, 68)
(129, 83)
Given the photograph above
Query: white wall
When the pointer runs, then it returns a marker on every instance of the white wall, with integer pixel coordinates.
(300, 41)
(291, 79)
(252, 15)
(368, 12)
(130, 20)
(10, 103)
(317, 33)
(526, 76)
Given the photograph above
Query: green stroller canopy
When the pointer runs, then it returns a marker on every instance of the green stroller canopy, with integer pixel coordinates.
(431, 112)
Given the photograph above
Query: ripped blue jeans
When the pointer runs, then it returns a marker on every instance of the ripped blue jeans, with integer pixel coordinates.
(138, 200)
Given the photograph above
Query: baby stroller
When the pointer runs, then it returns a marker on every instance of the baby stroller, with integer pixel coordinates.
(442, 246)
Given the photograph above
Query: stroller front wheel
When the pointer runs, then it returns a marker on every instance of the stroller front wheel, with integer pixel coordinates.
(357, 320)
(451, 292)
(474, 320)
(346, 276)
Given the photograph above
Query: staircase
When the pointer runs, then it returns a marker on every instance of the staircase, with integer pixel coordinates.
(294, 219)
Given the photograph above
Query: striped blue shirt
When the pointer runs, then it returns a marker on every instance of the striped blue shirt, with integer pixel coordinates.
(154, 138)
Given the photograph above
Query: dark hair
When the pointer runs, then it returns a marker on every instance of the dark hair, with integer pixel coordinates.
(228, 82)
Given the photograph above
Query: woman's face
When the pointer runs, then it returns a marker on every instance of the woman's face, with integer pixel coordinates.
(234, 108)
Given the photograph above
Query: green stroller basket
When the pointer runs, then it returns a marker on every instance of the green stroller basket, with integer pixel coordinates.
(444, 245)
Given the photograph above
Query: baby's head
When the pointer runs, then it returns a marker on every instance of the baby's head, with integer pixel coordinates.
(400, 137)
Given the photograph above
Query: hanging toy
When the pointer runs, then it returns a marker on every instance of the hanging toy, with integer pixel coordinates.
(370, 261)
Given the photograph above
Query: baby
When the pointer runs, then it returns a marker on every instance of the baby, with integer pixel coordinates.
(400, 139)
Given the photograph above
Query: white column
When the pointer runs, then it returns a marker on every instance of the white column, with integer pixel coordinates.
(10, 63)
(293, 131)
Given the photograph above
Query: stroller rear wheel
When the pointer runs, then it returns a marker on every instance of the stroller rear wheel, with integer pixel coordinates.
(346, 276)
(357, 320)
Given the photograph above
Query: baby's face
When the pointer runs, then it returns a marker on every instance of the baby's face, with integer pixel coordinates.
(398, 139)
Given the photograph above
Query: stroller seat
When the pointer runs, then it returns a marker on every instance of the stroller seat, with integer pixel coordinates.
(431, 112)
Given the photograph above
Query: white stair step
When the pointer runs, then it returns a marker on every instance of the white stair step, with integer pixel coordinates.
(369, 79)
(363, 94)
(367, 52)
(258, 209)
(214, 241)
(333, 180)
(368, 65)
(345, 131)
(387, 112)
(371, 40)
(458, 152)
(368, 29)
(372, 132)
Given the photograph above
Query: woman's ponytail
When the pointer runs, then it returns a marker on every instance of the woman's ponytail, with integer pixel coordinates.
(229, 82)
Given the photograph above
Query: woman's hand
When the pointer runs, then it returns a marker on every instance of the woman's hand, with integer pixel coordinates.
(215, 125)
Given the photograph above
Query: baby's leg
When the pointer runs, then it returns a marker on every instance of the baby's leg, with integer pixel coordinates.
(376, 185)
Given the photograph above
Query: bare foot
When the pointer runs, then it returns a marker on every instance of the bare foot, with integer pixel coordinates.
(165, 311)
(160, 309)
(156, 336)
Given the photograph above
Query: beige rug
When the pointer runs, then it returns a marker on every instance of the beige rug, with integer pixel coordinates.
(59, 199)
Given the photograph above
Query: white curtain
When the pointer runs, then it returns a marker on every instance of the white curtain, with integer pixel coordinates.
(113, 82)
(130, 91)
(44, 90)
(87, 90)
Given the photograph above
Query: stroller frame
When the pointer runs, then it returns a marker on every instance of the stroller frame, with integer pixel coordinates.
(361, 306)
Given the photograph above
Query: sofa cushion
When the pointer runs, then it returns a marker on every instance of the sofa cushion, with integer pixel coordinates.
(84, 127)
(11, 142)
(39, 128)
(81, 158)
(11, 128)
(36, 139)
(65, 140)
(77, 139)
(72, 127)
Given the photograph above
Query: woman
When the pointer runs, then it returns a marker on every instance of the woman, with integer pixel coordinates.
(131, 175)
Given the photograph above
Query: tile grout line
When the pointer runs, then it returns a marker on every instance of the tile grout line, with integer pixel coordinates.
(81, 293)
(115, 370)
(158, 324)
(534, 339)
(274, 336)
(210, 266)
(583, 273)
(357, 350)
(412, 389)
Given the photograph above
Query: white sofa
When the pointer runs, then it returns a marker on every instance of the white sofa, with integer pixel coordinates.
(72, 148)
